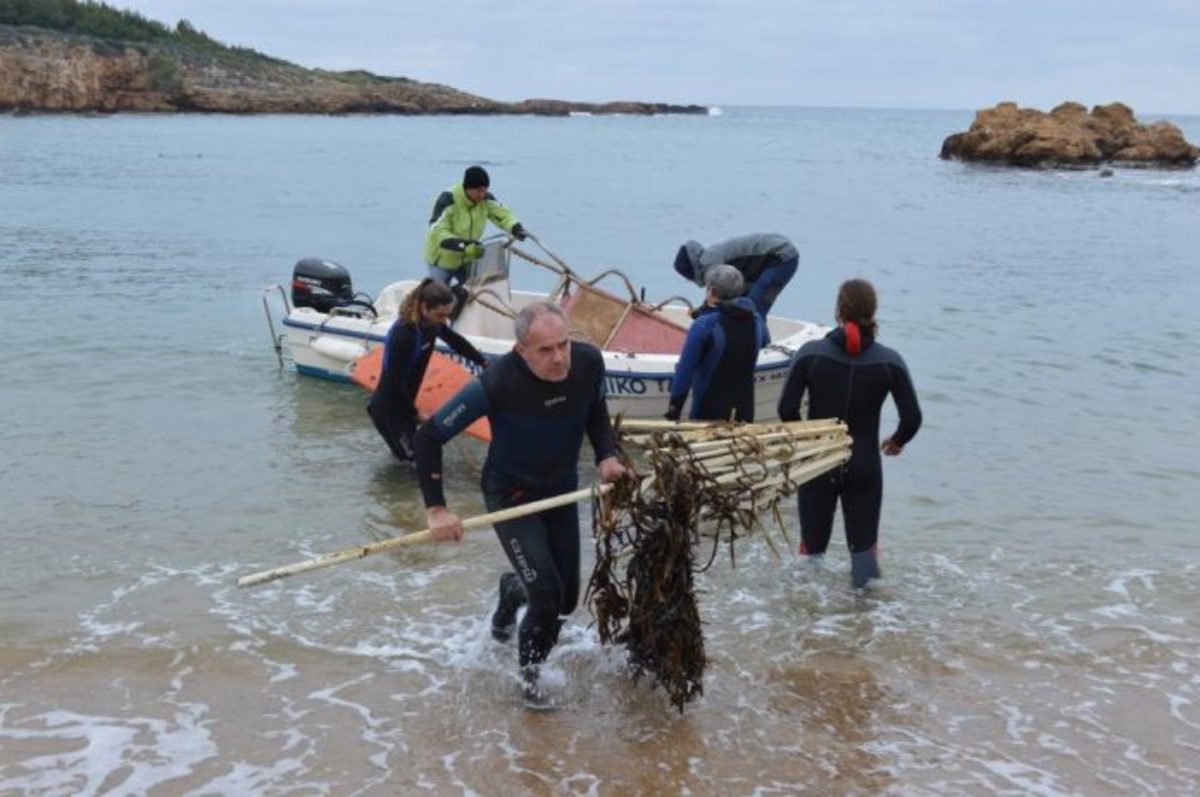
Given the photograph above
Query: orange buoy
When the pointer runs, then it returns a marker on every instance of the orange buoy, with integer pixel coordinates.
(443, 379)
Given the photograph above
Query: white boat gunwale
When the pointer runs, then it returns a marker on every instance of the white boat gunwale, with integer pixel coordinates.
(325, 345)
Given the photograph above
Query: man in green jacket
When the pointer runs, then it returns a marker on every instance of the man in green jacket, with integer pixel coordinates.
(459, 215)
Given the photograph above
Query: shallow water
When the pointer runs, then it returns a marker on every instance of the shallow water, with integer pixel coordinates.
(1036, 631)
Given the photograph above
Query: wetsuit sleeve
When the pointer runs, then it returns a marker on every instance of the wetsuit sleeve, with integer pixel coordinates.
(599, 425)
(793, 390)
(461, 345)
(905, 396)
(466, 406)
(685, 370)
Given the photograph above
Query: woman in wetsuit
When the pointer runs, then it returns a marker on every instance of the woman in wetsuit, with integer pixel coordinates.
(847, 375)
(410, 344)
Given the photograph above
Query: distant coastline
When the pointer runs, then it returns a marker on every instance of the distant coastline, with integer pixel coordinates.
(94, 59)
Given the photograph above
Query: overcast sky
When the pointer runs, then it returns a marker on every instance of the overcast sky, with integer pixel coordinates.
(959, 54)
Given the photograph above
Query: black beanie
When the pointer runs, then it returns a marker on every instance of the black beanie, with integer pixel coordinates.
(475, 177)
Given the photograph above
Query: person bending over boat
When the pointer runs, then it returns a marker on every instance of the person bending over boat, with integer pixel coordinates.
(767, 262)
(410, 343)
(541, 399)
(460, 214)
(719, 354)
(847, 375)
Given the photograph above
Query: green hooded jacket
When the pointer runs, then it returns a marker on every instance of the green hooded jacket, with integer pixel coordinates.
(456, 219)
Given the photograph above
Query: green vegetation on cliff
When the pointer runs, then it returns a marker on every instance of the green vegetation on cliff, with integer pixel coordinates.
(85, 56)
(104, 22)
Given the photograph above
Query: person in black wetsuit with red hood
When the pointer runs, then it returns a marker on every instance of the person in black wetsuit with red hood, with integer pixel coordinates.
(410, 343)
(848, 375)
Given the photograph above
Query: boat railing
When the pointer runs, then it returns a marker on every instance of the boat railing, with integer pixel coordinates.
(357, 310)
(569, 276)
(686, 302)
(607, 319)
(276, 337)
(351, 313)
(616, 272)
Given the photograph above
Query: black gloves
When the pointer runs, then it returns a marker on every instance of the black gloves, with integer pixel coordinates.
(459, 245)
(519, 232)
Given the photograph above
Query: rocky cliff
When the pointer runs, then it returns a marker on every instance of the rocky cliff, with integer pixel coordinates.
(43, 70)
(1070, 137)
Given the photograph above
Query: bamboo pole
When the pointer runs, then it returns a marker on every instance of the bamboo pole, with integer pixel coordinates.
(713, 436)
(773, 450)
(774, 456)
(796, 476)
(361, 551)
(651, 424)
(721, 448)
(770, 435)
(691, 427)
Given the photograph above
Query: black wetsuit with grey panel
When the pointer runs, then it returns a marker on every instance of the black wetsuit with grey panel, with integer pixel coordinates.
(537, 433)
(406, 354)
(849, 383)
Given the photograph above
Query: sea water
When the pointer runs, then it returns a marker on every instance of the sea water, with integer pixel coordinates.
(1036, 632)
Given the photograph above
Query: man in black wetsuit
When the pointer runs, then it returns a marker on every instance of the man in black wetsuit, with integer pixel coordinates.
(848, 375)
(541, 399)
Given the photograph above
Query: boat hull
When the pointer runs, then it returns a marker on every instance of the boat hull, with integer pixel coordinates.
(638, 384)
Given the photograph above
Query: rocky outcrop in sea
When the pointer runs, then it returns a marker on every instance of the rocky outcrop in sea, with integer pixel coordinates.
(42, 70)
(1070, 137)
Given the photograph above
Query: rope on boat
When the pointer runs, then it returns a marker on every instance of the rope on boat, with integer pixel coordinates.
(562, 270)
(562, 263)
(569, 274)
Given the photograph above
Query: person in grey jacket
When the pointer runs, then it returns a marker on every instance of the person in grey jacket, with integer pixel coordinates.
(767, 262)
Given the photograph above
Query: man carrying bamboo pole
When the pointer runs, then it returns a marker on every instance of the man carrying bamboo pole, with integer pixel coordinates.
(541, 399)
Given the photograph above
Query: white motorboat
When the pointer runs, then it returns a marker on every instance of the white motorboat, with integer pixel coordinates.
(327, 328)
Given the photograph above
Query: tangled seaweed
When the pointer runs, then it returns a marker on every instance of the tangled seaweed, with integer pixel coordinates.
(724, 477)
(651, 609)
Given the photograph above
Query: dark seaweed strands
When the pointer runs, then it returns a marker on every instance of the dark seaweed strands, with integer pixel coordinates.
(720, 476)
(651, 608)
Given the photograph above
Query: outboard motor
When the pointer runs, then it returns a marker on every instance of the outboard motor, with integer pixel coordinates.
(321, 285)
